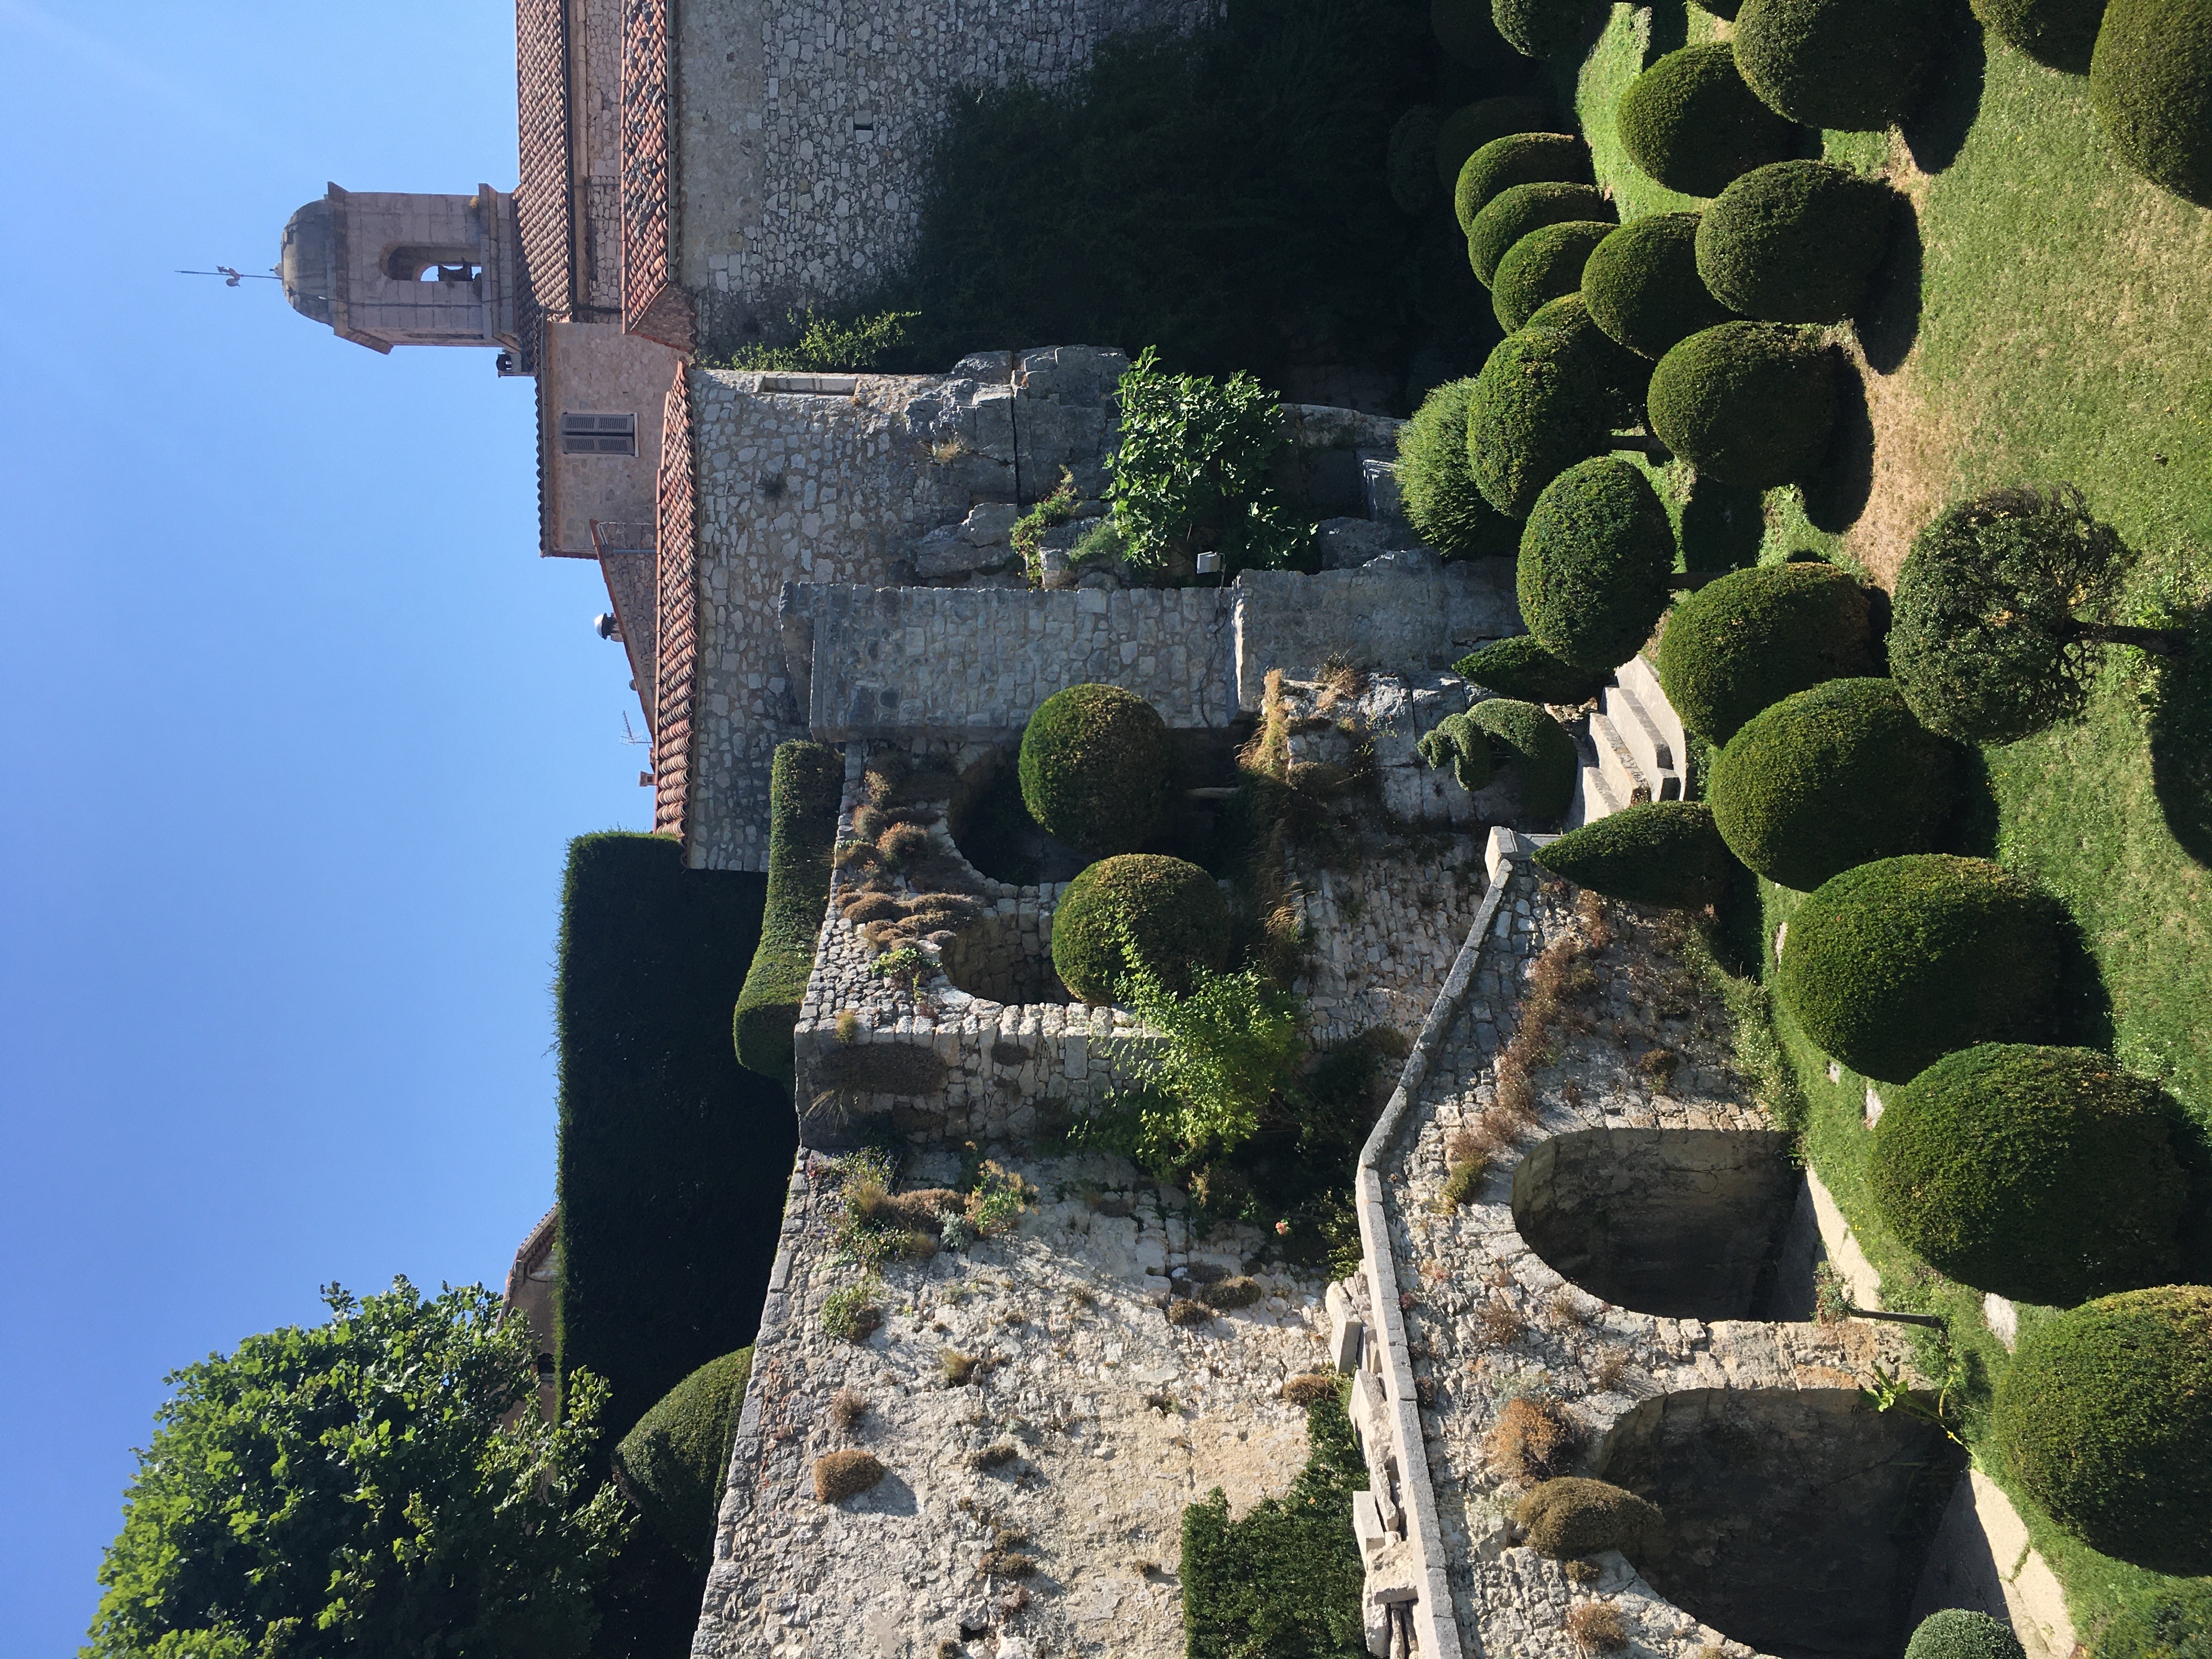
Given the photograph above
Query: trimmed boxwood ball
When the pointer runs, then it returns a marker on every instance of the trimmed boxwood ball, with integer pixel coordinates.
(1541, 403)
(1595, 562)
(1750, 404)
(1435, 488)
(1096, 769)
(1643, 289)
(1543, 265)
(1891, 965)
(1410, 163)
(1572, 1516)
(2044, 1175)
(1626, 374)
(1471, 126)
(1458, 742)
(1962, 1633)
(1837, 775)
(1746, 639)
(1513, 213)
(1519, 158)
(1520, 667)
(1542, 29)
(2104, 1418)
(1665, 852)
(1690, 123)
(2059, 34)
(1795, 241)
(1537, 747)
(2150, 85)
(673, 1463)
(1168, 912)
(1854, 64)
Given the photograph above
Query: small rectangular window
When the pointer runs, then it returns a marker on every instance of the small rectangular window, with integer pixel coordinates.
(598, 435)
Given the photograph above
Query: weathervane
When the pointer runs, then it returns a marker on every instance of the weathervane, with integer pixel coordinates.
(231, 277)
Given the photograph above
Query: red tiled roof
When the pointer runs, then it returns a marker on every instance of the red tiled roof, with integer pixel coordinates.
(543, 200)
(676, 644)
(653, 304)
(533, 1252)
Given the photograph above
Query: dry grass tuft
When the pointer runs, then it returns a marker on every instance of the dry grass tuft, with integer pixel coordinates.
(1181, 1310)
(840, 1474)
(995, 1456)
(1597, 1627)
(1532, 1440)
(1499, 1324)
(1308, 1386)
(847, 1408)
(1612, 1366)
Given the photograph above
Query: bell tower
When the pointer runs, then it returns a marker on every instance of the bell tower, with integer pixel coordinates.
(389, 269)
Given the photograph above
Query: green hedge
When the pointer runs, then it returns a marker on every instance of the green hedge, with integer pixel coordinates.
(1471, 126)
(1597, 559)
(1690, 123)
(2044, 1175)
(1727, 8)
(1519, 158)
(672, 1158)
(1542, 28)
(1520, 667)
(2172, 1622)
(1411, 162)
(1836, 776)
(2059, 34)
(1097, 768)
(1961, 1634)
(2150, 84)
(1795, 241)
(1437, 487)
(1643, 289)
(1543, 401)
(1539, 749)
(1572, 1515)
(1856, 64)
(675, 1463)
(1891, 965)
(2104, 1418)
(1626, 375)
(1170, 911)
(1746, 639)
(1662, 853)
(1546, 264)
(1514, 212)
(805, 782)
(1750, 404)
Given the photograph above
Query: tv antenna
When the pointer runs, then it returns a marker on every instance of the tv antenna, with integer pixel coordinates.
(630, 737)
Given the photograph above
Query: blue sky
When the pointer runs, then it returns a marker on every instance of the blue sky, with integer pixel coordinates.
(297, 728)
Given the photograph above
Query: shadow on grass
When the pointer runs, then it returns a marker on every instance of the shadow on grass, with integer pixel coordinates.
(1973, 827)
(1937, 130)
(1723, 526)
(2081, 1014)
(1838, 494)
(2181, 745)
(1889, 322)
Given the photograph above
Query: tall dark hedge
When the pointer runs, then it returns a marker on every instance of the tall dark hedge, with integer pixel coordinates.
(805, 781)
(1543, 265)
(1519, 158)
(1520, 667)
(1538, 747)
(1436, 487)
(1748, 403)
(1597, 558)
(1749, 639)
(1463, 29)
(1690, 123)
(675, 1463)
(1542, 402)
(1411, 157)
(1471, 126)
(2060, 35)
(1542, 28)
(1641, 285)
(1663, 853)
(1795, 241)
(1859, 65)
(672, 1158)
(2150, 84)
(1513, 213)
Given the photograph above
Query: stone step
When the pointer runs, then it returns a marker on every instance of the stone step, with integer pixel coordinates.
(1656, 759)
(1636, 677)
(1593, 800)
(1624, 781)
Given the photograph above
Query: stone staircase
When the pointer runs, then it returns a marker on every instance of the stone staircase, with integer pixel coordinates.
(1635, 750)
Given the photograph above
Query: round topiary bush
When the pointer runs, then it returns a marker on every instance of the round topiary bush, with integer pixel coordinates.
(1746, 639)
(1098, 768)
(2059, 34)
(1543, 265)
(1519, 158)
(1167, 912)
(2105, 1417)
(1463, 30)
(2044, 1175)
(1596, 560)
(1435, 488)
(1856, 64)
(1539, 749)
(1837, 775)
(1572, 1516)
(1627, 375)
(1514, 212)
(1643, 289)
(1891, 965)
(1690, 123)
(1542, 29)
(1795, 241)
(1411, 164)
(1664, 853)
(674, 1462)
(1961, 1634)
(1520, 667)
(2173, 1621)
(1471, 126)
(1541, 403)
(2150, 84)
(1750, 404)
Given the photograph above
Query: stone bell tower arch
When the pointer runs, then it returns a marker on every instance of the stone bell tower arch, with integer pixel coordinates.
(386, 268)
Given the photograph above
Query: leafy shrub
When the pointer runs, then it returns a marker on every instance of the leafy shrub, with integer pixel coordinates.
(1519, 208)
(1458, 742)
(852, 1313)
(1097, 768)
(839, 1475)
(1543, 265)
(1662, 853)
(2104, 1418)
(2044, 1175)
(1219, 1057)
(1991, 641)
(673, 1464)
(1542, 29)
(1891, 965)
(804, 781)
(1413, 157)
(1746, 639)
(1855, 64)
(1469, 128)
(1690, 123)
(1795, 241)
(1837, 775)
(1520, 667)
(2059, 34)
(1543, 402)
(1519, 158)
(1961, 1634)
(1437, 487)
(1596, 560)
(824, 345)
(1626, 375)
(1192, 472)
(2173, 1621)
(1750, 404)
(1140, 905)
(1643, 289)
(1539, 749)
(2150, 85)
(1572, 1515)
